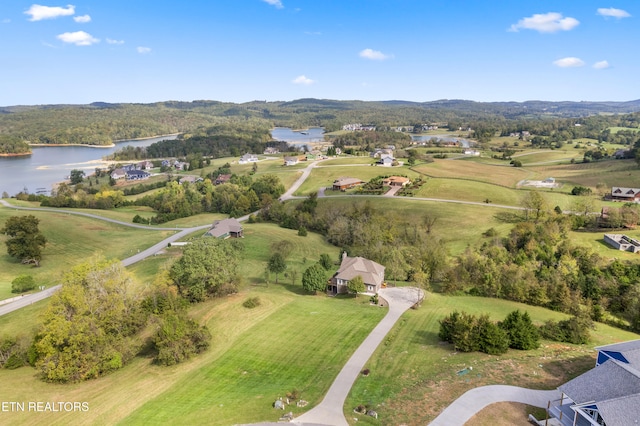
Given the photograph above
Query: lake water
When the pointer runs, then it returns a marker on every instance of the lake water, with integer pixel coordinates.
(298, 137)
(48, 165)
(466, 143)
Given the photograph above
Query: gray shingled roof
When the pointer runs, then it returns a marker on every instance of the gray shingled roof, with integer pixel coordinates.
(630, 350)
(224, 227)
(607, 381)
(370, 271)
(622, 411)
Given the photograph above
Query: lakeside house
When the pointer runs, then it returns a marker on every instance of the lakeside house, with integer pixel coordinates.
(118, 174)
(137, 175)
(372, 274)
(225, 228)
(344, 183)
(607, 395)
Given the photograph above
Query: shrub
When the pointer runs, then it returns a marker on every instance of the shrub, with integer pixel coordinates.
(251, 302)
(573, 330)
(302, 232)
(23, 283)
(178, 338)
(522, 333)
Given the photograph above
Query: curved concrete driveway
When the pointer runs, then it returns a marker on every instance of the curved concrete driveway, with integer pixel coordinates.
(330, 410)
(474, 400)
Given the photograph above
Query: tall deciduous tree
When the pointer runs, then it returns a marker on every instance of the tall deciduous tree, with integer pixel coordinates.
(25, 239)
(277, 264)
(89, 325)
(207, 268)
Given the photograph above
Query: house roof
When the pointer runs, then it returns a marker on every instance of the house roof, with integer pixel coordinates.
(630, 350)
(620, 191)
(370, 271)
(398, 179)
(347, 181)
(137, 173)
(224, 227)
(620, 411)
(607, 381)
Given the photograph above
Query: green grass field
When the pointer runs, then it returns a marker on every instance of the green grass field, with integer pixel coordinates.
(324, 176)
(413, 375)
(71, 240)
(293, 340)
(503, 174)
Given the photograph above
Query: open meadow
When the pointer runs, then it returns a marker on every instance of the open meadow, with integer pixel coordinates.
(71, 240)
(297, 343)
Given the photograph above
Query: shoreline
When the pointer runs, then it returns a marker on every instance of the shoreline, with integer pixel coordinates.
(16, 154)
(114, 143)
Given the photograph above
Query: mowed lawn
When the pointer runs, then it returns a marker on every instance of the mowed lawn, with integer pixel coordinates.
(553, 156)
(414, 376)
(610, 173)
(71, 240)
(323, 176)
(503, 175)
(302, 346)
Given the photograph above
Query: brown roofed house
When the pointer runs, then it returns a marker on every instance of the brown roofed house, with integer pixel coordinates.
(372, 274)
(344, 183)
(396, 181)
(225, 228)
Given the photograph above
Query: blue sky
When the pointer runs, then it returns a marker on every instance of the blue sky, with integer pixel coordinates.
(277, 50)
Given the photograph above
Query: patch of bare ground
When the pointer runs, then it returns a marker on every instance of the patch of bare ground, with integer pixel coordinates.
(505, 414)
(543, 368)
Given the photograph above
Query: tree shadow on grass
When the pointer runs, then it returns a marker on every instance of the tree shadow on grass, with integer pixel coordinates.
(569, 368)
(424, 337)
(296, 289)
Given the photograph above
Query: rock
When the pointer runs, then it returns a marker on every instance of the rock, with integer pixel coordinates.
(372, 414)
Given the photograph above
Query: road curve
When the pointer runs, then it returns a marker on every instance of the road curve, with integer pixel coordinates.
(474, 400)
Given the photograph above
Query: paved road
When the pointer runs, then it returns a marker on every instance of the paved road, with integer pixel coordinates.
(330, 411)
(474, 400)
(36, 297)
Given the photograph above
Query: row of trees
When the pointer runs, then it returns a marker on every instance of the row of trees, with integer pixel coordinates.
(236, 199)
(469, 333)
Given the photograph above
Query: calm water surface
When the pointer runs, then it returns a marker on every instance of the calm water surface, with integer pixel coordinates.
(298, 137)
(48, 165)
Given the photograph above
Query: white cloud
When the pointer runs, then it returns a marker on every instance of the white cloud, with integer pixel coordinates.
(112, 41)
(546, 23)
(82, 19)
(143, 50)
(601, 65)
(276, 3)
(6, 21)
(613, 13)
(38, 12)
(374, 55)
(79, 38)
(303, 80)
(570, 62)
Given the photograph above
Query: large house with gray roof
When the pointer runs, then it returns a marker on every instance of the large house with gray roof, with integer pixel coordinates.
(372, 274)
(608, 395)
(225, 228)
